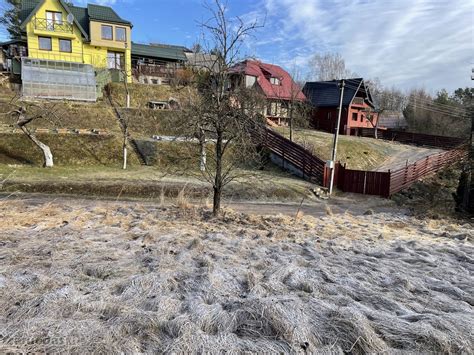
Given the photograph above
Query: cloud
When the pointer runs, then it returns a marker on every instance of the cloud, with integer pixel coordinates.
(404, 42)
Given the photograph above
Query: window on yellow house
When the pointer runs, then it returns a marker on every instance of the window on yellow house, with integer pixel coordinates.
(107, 32)
(53, 18)
(120, 34)
(45, 43)
(65, 45)
(115, 60)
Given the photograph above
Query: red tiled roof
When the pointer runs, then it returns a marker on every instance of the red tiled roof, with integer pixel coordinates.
(288, 89)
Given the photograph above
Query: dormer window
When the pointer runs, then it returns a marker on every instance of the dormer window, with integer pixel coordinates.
(107, 32)
(275, 81)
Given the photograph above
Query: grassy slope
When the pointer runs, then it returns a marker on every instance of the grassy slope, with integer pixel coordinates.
(147, 182)
(16, 148)
(141, 94)
(356, 152)
(73, 115)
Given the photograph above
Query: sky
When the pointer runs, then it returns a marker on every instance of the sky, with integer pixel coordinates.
(403, 43)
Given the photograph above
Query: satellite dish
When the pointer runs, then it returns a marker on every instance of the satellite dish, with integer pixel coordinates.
(70, 19)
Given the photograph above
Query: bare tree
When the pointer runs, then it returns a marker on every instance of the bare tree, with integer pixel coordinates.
(124, 120)
(385, 99)
(329, 66)
(298, 109)
(225, 117)
(428, 114)
(23, 114)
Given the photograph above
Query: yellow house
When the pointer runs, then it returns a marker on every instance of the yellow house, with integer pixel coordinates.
(93, 35)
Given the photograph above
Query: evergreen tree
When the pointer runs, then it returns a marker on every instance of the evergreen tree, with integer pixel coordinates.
(10, 18)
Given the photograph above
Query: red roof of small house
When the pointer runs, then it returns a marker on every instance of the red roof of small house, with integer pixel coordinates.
(287, 90)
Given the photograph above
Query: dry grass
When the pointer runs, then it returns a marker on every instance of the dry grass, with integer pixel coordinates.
(68, 150)
(88, 277)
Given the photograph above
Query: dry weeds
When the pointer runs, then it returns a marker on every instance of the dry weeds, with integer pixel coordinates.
(83, 277)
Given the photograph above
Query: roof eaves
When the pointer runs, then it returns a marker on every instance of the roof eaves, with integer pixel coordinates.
(30, 15)
(66, 7)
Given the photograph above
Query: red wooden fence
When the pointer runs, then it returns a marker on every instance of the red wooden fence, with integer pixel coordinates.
(386, 184)
(383, 184)
(402, 178)
(363, 182)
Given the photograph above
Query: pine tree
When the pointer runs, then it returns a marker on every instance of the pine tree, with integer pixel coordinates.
(10, 19)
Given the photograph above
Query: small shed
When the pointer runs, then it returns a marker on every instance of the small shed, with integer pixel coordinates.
(393, 120)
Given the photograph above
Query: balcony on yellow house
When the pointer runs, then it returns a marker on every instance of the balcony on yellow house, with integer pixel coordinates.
(43, 26)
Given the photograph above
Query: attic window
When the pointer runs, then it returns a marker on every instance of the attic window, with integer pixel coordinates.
(121, 34)
(275, 81)
(107, 32)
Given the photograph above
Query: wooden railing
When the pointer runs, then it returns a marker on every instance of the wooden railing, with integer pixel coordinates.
(53, 26)
(358, 101)
(310, 166)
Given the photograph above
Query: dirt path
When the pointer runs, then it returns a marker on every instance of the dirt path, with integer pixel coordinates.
(352, 203)
(406, 156)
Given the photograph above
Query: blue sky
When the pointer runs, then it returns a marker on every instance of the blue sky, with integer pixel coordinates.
(405, 43)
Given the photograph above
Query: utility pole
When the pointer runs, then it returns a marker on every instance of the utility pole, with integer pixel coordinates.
(465, 198)
(470, 193)
(336, 138)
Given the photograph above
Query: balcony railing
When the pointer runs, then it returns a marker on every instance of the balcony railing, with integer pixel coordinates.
(358, 101)
(43, 24)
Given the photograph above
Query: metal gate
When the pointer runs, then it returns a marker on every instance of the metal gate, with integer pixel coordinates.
(58, 80)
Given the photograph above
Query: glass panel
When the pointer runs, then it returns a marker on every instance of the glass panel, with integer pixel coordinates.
(107, 32)
(111, 60)
(120, 34)
(45, 43)
(65, 45)
(50, 20)
(115, 60)
(58, 17)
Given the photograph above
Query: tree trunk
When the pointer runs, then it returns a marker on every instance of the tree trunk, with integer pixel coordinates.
(125, 141)
(47, 155)
(124, 157)
(202, 143)
(216, 209)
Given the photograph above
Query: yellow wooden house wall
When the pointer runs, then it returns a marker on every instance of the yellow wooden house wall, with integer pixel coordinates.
(93, 52)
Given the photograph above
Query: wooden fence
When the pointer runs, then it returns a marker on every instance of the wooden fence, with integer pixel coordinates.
(386, 184)
(414, 138)
(383, 184)
(360, 181)
(311, 167)
(402, 178)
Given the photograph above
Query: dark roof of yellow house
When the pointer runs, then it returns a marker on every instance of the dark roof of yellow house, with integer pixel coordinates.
(82, 15)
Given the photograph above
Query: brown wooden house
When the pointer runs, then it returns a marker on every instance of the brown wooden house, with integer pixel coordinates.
(157, 64)
(357, 106)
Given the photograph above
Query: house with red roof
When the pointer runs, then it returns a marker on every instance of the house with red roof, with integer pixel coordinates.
(274, 83)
